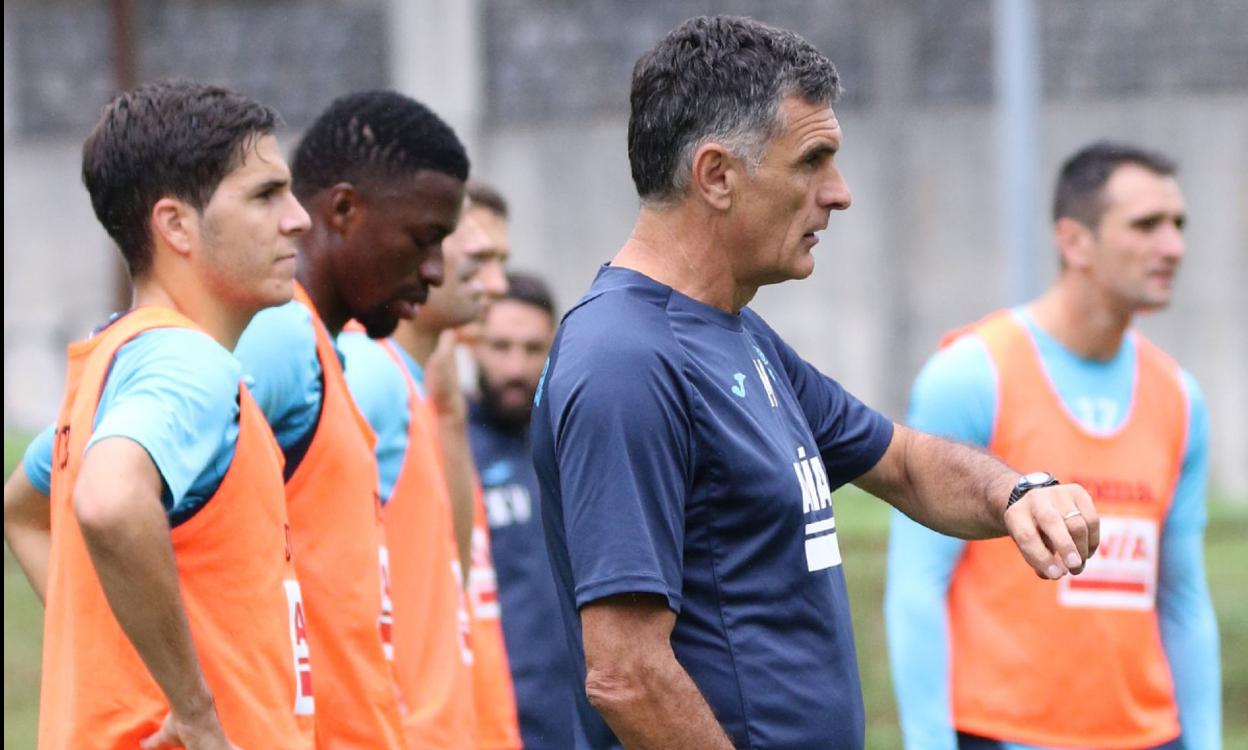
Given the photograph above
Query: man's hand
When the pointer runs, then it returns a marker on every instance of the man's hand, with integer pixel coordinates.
(1056, 529)
(204, 734)
(442, 379)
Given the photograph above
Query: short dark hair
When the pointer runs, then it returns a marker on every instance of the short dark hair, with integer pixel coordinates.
(372, 136)
(1081, 180)
(166, 139)
(485, 196)
(530, 290)
(715, 78)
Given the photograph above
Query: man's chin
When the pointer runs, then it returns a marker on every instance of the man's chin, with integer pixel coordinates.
(1154, 302)
(379, 323)
(510, 416)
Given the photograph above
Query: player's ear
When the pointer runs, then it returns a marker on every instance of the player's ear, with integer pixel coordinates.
(174, 223)
(340, 207)
(716, 173)
(1075, 241)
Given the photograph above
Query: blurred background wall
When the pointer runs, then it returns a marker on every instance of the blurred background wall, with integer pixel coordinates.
(539, 91)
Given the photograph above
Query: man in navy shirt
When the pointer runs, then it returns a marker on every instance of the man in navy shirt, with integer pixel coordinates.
(514, 340)
(687, 455)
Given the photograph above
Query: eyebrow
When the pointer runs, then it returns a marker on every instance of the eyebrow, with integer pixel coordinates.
(269, 185)
(1159, 216)
(819, 150)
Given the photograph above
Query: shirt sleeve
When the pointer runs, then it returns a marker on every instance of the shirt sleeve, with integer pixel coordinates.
(37, 461)
(622, 438)
(954, 396)
(380, 391)
(1189, 629)
(173, 391)
(278, 355)
(851, 436)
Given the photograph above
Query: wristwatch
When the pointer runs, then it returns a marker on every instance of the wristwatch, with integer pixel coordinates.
(1028, 482)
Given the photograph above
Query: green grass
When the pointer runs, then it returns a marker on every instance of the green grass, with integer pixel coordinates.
(863, 529)
(23, 635)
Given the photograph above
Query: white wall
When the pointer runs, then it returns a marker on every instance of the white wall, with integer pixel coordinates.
(913, 257)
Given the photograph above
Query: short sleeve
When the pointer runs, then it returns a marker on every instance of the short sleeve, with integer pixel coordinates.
(278, 355)
(174, 391)
(380, 391)
(851, 436)
(37, 461)
(955, 394)
(622, 443)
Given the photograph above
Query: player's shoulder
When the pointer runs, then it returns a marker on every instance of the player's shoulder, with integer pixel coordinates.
(288, 327)
(1197, 408)
(184, 356)
(962, 359)
(365, 354)
(955, 392)
(278, 342)
(1183, 377)
(616, 346)
(1191, 386)
(616, 291)
(618, 324)
(368, 366)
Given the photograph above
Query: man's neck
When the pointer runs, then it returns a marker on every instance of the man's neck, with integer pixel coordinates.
(416, 340)
(676, 248)
(315, 274)
(1081, 319)
(220, 322)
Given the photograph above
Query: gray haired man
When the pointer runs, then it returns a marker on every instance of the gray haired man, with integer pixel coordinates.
(687, 455)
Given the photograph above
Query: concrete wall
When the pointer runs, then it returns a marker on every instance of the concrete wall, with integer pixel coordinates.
(538, 88)
(898, 269)
(918, 253)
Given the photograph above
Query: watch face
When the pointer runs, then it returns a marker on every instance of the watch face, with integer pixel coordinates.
(1034, 478)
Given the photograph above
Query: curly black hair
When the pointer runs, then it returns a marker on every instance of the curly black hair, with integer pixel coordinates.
(372, 136)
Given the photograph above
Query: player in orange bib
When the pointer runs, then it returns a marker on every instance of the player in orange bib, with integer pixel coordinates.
(1124, 656)
(173, 614)
(383, 178)
(497, 726)
(452, 664)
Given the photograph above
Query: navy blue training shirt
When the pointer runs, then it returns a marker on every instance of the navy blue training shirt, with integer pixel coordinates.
(541, 667)
(688, 452)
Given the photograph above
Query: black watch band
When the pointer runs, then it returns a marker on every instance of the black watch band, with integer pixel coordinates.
(1028, 482)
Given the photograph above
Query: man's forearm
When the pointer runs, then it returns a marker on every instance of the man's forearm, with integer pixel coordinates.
(127, 537)
(1189, 635)
(963, 492)
(28, 529)
(460, 472)
(662, 710)
(952, 488)
(635, 682)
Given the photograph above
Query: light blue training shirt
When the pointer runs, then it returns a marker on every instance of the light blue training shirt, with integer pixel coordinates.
(380, 391)
(174, 391)
(955, 396)
(278, 353)
(168, 387)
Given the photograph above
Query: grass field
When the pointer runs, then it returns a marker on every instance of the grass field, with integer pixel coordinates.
(863, 527)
